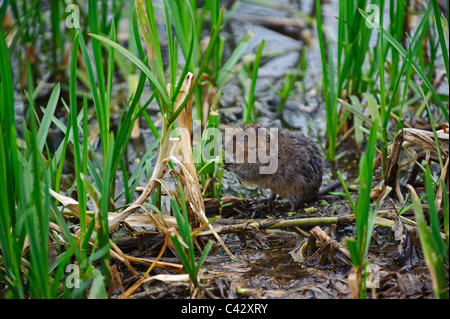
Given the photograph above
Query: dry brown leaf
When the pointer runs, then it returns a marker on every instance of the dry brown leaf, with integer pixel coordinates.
(133, 81)
(400, 234)
(161, 169)
(70, 203)
(332, 249)
(73, 206)
(354, 282)
(168, 278)
(425, 139)
(142, 220)
(439, 193)
(209, 100)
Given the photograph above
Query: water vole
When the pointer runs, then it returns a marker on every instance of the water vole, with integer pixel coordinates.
(287, 163)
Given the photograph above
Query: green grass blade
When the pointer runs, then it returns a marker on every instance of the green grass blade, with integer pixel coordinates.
(205, 253)
(183, 258)
(77, 151)
(249, 113)
(137, 38)
(183, 30)
(373, 107)
(10, 241)
(434, 260)
(356, 111)
(98, 59)
(138, 63)
(444, 48)
(109, 78)
(439, 245)
(446, 211)
(226, 69)
(47, 118)
(149, 32)
(203, 65)
(350, 200)
(37, 221)
(397, 46)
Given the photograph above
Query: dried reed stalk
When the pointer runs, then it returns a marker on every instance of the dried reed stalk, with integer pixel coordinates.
(439, 192)
(191, 186)
(73, 206)
(161, 169)
(411, 137)
(425, 139)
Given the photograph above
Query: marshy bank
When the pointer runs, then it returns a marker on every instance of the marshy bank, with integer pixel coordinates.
(106, 189)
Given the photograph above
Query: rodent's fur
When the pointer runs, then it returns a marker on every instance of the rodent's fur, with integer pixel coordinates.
(300, 165)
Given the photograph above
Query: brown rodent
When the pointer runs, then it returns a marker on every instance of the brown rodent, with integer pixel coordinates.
(287, 163)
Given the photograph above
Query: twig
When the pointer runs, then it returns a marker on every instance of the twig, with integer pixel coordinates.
(133, 288)
(273, 224)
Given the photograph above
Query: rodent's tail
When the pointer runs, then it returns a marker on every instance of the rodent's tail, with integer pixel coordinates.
(328, 188)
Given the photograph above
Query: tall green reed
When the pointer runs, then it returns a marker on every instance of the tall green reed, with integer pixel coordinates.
(207, 158)
(328, 87)
(385, 105)
(113, 146)
(28, 270)
(183, 241)
(365, 214)
(173, 98)
(363, 68)
(433, 246)
(249, 115)
(218, 70)
(289, 82)
(101, 98)
(11, 235)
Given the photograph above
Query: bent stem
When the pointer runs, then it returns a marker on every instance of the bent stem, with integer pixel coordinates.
(167, 146)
